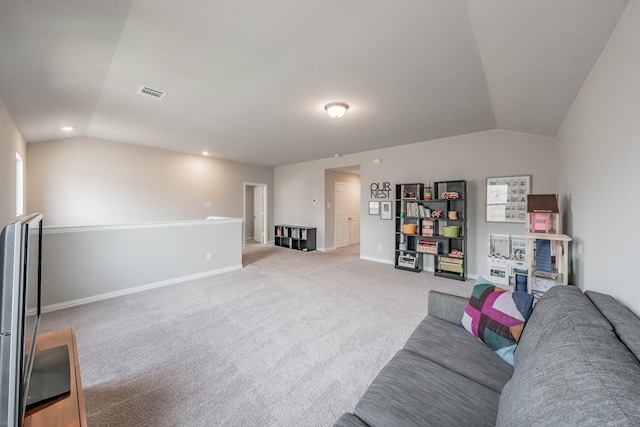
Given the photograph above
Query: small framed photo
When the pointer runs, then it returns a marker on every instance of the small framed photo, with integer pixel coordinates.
(385, 210)
(374, 208)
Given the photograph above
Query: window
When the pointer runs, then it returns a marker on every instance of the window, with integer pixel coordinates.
(19, 185)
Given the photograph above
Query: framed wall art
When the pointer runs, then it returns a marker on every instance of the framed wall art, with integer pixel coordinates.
(385, 210)
(506, 199)
(374, 208)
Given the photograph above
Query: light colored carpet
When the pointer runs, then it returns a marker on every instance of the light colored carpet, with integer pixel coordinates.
(292, 339)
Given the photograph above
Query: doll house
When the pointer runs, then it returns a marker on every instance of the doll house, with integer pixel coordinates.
(543, 215)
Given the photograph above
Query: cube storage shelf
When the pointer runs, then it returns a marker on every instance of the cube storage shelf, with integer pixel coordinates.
(295, 237)
(432, 224)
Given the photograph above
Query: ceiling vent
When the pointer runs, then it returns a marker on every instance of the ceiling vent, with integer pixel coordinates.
(151, 93)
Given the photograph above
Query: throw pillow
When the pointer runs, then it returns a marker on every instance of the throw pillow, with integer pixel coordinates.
(497, 316)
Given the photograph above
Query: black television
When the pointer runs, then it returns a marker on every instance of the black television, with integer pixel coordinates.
(28, 377)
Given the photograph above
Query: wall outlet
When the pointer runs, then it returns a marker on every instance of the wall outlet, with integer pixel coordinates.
(209, 256)
(208, 204)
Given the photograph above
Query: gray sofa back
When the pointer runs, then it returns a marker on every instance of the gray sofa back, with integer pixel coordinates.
(571, 368)
(624, 322)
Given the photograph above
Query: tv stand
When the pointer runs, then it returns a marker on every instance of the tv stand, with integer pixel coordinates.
(67, 410)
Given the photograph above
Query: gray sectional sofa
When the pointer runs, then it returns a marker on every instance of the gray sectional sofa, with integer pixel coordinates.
(576, 364)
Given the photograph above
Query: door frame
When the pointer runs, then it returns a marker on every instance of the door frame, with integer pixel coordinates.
(265, 211)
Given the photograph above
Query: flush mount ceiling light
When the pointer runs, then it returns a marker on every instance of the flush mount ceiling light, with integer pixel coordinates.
(336, 109)
(68, 128)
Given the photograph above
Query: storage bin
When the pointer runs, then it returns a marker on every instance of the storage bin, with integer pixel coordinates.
(451, 231)
(427, 247)
(409, 228)
(451, 265)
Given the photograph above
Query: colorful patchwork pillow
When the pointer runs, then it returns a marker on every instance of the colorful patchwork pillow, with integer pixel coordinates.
(497, 316)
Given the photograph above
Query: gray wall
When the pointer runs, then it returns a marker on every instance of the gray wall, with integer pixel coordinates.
(597, 167)
(84, 181)
(84, 264)
(472, 157)
(11, 142)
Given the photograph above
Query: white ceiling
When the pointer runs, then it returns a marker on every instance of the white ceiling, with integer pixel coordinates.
(248, 80)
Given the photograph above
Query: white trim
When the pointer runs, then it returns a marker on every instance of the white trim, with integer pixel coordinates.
(108, 295)
(383, 261)
(19, 185)
(85, 228)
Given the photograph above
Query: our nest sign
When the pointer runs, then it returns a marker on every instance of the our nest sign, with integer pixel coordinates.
(380, 191)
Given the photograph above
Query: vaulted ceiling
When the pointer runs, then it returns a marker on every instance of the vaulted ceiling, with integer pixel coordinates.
(248, 80)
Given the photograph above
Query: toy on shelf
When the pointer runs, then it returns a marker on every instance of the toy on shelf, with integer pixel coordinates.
(450, 195)
(456, 254)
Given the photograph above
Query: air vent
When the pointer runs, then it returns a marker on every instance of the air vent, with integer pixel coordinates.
(151, 93)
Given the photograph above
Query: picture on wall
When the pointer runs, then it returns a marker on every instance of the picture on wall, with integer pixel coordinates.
(507, 198)
(385, 210)
(374, 208)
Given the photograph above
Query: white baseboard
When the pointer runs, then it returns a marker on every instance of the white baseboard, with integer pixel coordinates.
(100, 297)
(383, 261)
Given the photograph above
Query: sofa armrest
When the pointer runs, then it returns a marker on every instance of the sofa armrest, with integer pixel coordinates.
(446, 306)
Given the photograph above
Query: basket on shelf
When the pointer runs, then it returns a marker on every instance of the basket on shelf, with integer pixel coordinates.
(451, 231)
(409, 228)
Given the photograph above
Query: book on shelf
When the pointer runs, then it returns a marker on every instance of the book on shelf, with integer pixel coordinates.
(417, 210)
(427, 227)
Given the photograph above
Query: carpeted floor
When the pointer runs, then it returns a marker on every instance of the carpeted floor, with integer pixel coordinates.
(292, 339)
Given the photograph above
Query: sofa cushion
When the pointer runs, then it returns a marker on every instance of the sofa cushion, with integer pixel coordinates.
(413, 391)
(559, 309)
(454, 348)
(580, 377)
(446, 306)
(497, 317)
(624, 322)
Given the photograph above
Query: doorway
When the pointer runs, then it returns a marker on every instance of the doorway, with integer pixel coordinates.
(255, 219)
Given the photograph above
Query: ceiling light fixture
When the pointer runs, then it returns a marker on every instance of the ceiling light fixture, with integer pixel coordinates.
(336, 109)
(68, 128)
(205, 153)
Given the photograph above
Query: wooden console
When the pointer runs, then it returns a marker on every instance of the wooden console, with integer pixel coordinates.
(67, 411)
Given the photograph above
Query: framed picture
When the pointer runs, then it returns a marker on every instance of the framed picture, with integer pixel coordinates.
(374, 208)
(385, 210)
(507, 198)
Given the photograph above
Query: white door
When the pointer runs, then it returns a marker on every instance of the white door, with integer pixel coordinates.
(258, 214)
(347, 214)
(354, 214)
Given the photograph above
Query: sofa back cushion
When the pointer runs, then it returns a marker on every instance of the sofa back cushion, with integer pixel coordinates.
(624, 322)
(579, 377)
(560, 308)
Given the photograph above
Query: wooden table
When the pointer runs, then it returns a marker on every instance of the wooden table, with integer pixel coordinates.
(68, 411)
